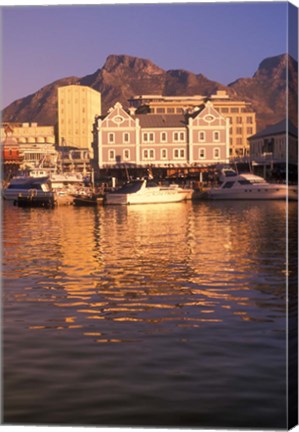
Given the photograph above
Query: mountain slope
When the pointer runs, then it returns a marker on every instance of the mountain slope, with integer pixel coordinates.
(122, 77)
(266, 90)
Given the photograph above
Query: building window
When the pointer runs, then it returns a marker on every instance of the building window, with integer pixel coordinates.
(111, 155)
(234, 110)
(239, 141)
(216, 153)
(160, 110)
(202, 153)
(179, 136)
(216, 136)
(163, 136)
(126, 137)
(111, 138)
(170, 111)
(239, 131)
(249, 120)
(164, 154)
(201, 136)
(148, 137)
(249, 131)
(179, 153)
(149, 154)
(239, 120)
(224, 110)
(126, 154)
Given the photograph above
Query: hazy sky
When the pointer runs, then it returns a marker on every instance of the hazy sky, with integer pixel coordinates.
(224, 41)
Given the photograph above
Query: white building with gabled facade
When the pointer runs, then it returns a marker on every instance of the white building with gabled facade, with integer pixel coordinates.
(141, 140)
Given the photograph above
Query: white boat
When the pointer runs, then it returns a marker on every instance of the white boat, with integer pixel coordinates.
(59, 180)
(21, 186)
(248, 186)
(144, 192)
(65, 185)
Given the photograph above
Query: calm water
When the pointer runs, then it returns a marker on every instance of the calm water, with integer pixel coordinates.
(170, 315)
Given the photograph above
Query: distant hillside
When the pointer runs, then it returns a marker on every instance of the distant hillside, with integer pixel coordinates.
(124, 76)
(266, 90)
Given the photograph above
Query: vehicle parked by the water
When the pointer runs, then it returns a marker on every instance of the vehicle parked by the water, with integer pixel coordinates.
(248, 186)
(146, 192)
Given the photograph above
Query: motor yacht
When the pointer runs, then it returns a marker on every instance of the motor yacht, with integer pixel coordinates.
(146, 192)
(248, 186)
(25, 186)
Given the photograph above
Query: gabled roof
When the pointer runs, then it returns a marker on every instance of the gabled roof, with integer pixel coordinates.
(277, 129)
(161, 121)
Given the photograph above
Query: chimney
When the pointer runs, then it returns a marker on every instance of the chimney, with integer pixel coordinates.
(132, 111)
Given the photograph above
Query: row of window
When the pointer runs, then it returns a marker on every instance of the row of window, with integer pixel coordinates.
(178, 110)
(150, 154)
(239, 130)
(168, 110)
(240, 120)
(149, 137)
(235, 110)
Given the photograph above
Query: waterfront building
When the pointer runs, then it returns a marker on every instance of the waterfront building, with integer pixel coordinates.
(157, 140)
(275, 146)
(26, 145)
(27, 133)
(72, 159)
(242, 119)
(240, 114)
(158, 104)
(77, 108)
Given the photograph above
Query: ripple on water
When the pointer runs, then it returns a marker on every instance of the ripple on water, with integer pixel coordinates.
(149, 315)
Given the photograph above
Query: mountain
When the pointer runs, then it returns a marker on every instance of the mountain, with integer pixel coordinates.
(124, 76)
(266, 90)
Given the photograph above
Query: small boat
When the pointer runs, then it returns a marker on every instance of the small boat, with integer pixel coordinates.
(146, 192)
(26, 186)
(32, 200)
(248, 186)
(88, 200)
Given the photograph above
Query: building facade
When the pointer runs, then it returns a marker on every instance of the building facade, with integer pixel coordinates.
(158, 104)
(26, 145)
(242, 119)
(30, 133)
(278, 143)
(141, 140)
(240, 114)
(77, 108)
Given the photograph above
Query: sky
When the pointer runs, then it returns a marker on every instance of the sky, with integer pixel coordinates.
(223, 41)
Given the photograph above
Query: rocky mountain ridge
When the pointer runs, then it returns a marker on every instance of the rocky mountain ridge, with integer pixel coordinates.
(123, 76)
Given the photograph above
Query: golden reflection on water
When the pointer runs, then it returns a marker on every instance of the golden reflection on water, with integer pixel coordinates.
(184, 264)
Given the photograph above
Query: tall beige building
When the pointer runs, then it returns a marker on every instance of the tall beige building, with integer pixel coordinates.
(77, 108)
(242, 119)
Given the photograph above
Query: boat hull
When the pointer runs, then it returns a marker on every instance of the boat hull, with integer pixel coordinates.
(46, 201)
(86, 201)
(151, 197)
(267, 194)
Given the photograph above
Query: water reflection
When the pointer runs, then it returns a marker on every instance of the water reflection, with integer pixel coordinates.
(169, 315)
(186, 264)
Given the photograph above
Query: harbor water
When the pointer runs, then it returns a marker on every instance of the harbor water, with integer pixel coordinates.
(169, 315)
